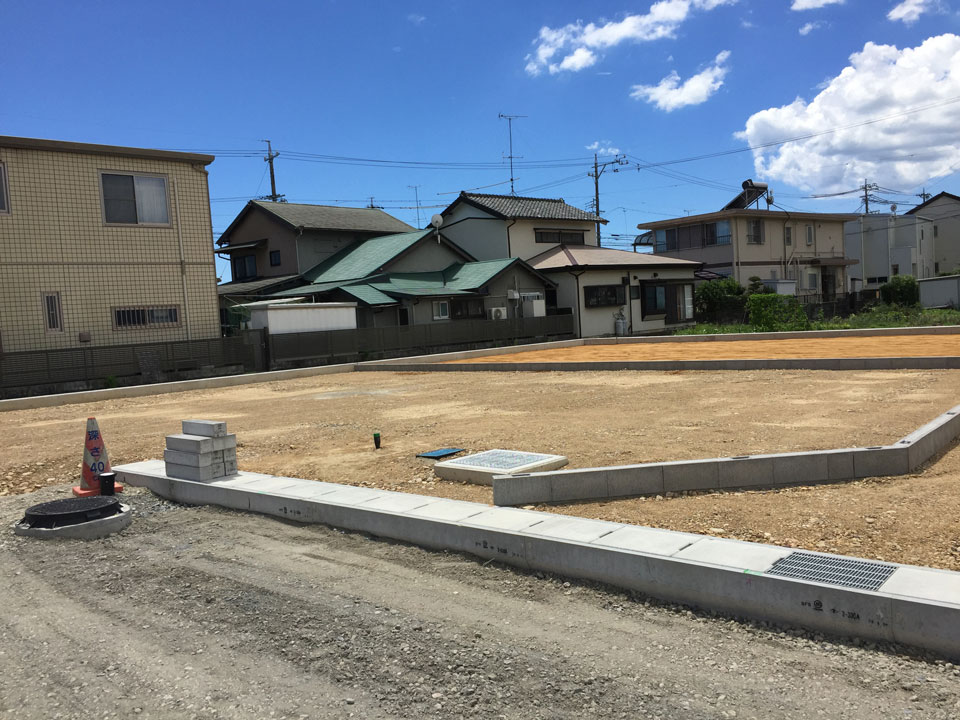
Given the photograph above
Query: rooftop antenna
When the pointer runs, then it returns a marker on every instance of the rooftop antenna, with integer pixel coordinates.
(272, 197)
(416, 194)
(510, 119)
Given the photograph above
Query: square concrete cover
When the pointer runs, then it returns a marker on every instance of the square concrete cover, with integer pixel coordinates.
(573, 529)
(648, 540)
(481, 467)
(734, 553)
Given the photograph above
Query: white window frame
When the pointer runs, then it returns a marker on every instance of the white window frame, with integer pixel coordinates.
(811, 235)
(166, 191)
(44, 296)
(441, 309)
(4, 190)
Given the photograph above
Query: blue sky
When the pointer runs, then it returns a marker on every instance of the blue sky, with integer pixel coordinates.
(425, 82)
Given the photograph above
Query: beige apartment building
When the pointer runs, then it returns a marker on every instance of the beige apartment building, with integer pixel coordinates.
(103, 245)
(795, 252)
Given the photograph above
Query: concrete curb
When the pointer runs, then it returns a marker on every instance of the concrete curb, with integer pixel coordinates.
(894, 363)
(744, 471)
(40, 401)
(911, 605)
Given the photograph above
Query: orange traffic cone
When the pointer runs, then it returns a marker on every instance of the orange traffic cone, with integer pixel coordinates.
(95, 461)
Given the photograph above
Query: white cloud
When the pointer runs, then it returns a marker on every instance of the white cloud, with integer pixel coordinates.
(577, 44)
(880, 81)
(909, 11)
(813, 4)
(809, 27)
(670, 94)
(602, 147)
(416, 19)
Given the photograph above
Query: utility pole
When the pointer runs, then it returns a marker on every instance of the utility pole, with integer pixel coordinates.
(374, 206)
(272, 197)
(867, 187)
(416, 194)
(510, 119)
(598, 168)
(924, 195)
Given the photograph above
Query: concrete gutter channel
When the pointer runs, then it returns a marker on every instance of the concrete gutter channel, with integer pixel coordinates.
(911, 605)
(739, 472)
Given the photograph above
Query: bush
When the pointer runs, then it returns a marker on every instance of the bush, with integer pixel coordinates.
(756, 286)
(715, 298)
(901, 290)
(771, 312)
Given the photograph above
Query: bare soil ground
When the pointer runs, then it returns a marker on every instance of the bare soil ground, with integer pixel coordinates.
(208, 614)
(838, 347)
(321, 428)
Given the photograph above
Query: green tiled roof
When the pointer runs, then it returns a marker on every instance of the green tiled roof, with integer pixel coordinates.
(412, 291)
(469, 276)
(306, 289)
(368, 294)
(363, 259)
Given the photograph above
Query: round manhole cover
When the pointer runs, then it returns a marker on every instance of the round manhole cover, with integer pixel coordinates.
(72, 511)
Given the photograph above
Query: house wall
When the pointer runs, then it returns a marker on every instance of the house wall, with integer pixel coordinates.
(944, 212)
(523, 243)
(596, 321)
(55, 240)
(257, 225)
(904, 243)
(477, 232)
(315, 246)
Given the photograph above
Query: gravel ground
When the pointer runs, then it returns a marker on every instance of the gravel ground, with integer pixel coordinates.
(320, 428)
(206, 613)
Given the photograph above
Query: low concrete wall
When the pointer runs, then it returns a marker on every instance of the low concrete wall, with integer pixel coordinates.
(743, 471)
(912, 605)
(894, 363)
(169, 387)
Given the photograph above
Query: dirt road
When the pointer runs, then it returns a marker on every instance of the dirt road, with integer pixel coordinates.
(208, 614)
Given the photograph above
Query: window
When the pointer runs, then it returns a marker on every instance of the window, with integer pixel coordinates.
(811, 280)
(468, 308)
(134, 199)
(52, 312)
(441, 310)
(604, 295)
(4, 199)
(566, 237)
(895, 269)
(654, 300)
(244, 268)
(810, 235)
(936, 231)
(877, 280)
(126, 318)
(709, 234)
(788, 235)
(274, 258)
(723, 232)
(754, 232)
(634, 292)
(666, 240)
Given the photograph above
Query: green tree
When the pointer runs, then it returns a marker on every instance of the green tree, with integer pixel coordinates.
(769, 312)
(756, 286)
(713, 297)
(902, 290)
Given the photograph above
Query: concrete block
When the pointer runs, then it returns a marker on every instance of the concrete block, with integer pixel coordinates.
(198, 444)
(738, 472)
(578, 485)
(880, 461)
(733, 553)
(522, 489)
(839, 464)
(635, 480)
(230, 467)
(205, 428)
(800, 468)
(449, 510)
(504, 519)
(690, 475)
(397, 502)
(197, 474)
(572, 529)
(647, 540)
(178, 457)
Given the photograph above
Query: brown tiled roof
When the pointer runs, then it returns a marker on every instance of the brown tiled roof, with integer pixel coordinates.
(512, 206)
(565, 256)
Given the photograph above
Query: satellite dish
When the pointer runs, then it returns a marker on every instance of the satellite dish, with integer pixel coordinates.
(893, 208)
(437, 220)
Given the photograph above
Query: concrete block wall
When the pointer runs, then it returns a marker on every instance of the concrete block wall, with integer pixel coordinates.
(744, 471)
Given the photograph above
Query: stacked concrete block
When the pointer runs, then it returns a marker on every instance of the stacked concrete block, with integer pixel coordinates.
(202, 452)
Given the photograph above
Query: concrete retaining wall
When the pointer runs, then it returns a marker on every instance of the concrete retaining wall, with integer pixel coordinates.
(745, 471)
(915, 606)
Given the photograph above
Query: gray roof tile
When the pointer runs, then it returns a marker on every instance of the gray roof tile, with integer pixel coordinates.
(512, 206)
(329, 217)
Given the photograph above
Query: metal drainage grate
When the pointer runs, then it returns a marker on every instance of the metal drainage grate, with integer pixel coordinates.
(860, 574)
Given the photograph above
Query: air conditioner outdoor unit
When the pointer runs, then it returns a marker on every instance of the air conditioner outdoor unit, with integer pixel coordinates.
(513, 294)
(497, 313)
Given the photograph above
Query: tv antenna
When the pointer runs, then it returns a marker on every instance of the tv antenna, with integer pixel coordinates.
(273, 196)
(510, 119)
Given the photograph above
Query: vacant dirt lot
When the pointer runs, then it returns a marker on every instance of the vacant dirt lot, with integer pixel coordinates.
(321, 428)
(839, 347)
(203, 613)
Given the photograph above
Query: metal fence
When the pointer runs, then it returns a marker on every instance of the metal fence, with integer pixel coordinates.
(291, 349)
(29, 373)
